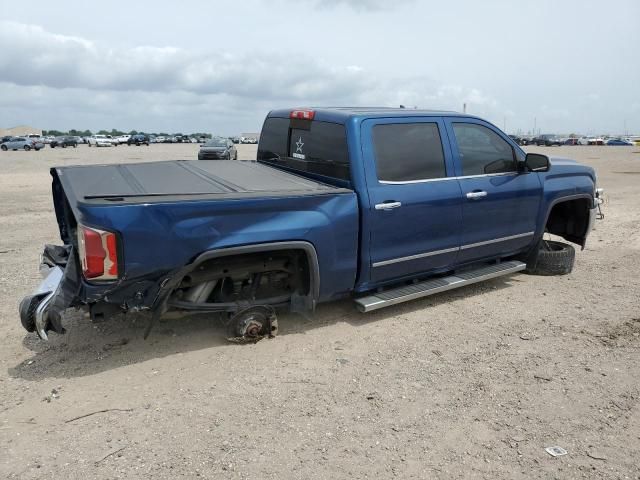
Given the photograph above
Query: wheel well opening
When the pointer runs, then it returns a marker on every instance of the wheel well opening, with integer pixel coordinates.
(570, 220)
(267, 278)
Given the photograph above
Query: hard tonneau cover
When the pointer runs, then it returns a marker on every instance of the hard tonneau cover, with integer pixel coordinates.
(178, 180)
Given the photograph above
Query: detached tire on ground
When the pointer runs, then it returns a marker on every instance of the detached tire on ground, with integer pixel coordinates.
(551, 258)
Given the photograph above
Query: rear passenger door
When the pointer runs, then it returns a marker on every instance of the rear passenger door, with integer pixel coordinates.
(500, 204)
(415, 203)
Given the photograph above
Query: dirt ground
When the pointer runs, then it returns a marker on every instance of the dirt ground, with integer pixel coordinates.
(472, 383)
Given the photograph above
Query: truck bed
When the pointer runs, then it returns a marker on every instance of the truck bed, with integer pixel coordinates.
(182, 180)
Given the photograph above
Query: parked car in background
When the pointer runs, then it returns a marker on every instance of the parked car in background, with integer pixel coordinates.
(547, 140)
(571, 141)
(5, 138)
(160, 139)
(22, 143)
(618, 142)
(122, 139)
(517, 139)
(218, 149)
(63, 142)
(139, 139)
(99, 141)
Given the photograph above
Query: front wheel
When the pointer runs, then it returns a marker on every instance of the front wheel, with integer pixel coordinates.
(551, 258)
(4, 148)
(27, 148)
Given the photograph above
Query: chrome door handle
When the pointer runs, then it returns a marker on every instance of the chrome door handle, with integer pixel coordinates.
(476, 195)
(388, 205)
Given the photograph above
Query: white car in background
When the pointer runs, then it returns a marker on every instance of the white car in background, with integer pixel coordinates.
(160, 139)
(122, 139)
(100, 141)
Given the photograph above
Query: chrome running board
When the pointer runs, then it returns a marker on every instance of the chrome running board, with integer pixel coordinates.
(436, 285)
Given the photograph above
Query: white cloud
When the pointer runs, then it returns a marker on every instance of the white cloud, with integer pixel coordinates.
(37, 57)
(71, 82)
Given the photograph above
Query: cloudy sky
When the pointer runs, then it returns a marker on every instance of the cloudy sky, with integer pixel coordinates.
(569, 66)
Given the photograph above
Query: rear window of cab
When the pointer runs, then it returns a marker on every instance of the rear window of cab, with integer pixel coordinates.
(305, 145)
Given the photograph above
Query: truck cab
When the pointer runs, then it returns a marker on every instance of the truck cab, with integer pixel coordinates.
(436, 190)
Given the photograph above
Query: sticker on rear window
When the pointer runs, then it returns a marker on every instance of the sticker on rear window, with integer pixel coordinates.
(298, 153)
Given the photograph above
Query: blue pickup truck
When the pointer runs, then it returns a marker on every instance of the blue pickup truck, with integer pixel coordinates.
(379, 205)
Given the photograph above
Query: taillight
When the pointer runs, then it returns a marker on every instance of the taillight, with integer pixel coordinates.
(98, 251)
(302, 114)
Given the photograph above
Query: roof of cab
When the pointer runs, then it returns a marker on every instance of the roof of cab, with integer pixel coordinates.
(341, 114)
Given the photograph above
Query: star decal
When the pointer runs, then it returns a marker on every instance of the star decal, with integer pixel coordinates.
(299, 145)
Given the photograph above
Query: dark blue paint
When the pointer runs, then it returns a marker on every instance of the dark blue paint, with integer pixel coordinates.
(347, 232)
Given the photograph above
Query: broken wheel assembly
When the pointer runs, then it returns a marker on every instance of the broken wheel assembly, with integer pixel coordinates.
(252, 324)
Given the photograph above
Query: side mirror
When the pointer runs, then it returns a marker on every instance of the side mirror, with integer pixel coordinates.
(536, 162)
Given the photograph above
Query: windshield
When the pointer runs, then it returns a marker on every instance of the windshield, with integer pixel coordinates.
(216, 142)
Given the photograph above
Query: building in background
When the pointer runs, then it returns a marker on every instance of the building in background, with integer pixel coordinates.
(19, 131)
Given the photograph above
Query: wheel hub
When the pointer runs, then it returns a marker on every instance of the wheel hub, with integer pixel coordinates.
(253, 324)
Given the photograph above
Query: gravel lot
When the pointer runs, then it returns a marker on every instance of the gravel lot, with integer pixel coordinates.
(472, 383)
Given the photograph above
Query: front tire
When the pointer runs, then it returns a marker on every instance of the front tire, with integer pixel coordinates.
(551, 258)
(4, 148)
(27, 148)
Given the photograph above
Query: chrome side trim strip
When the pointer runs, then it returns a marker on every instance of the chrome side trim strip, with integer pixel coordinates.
(496, 240)
(450, 250)
(408, 182)
(390, 182)
(415, 257)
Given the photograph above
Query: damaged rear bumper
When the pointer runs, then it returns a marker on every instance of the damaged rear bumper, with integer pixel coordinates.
(38, 312)
(42, 310)
(64, 287)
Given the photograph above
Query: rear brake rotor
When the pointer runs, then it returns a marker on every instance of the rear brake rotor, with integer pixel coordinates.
(252, 324)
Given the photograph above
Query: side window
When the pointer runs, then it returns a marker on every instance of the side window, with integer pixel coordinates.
(408, 151)
(482, 151)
